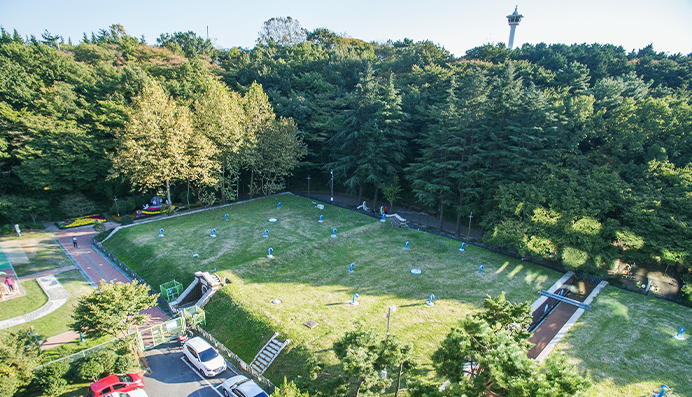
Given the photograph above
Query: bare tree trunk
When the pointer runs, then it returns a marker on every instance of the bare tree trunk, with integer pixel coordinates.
(398, 379)
(360, 194)
(188, 194)
(374, 205)
(358, 386)
(223, 181)
(252, 179)
(168, 194)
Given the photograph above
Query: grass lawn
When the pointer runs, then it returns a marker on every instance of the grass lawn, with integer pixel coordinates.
(309, 275)
(43, 252)
(58, 321)
(626, 343)
(34, 299)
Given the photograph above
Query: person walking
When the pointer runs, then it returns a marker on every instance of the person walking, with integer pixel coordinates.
(74, 242)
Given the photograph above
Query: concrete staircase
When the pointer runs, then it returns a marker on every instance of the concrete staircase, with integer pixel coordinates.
(268, 353)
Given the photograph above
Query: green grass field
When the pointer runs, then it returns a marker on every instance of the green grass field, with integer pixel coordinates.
(58, 321)
(309, 275)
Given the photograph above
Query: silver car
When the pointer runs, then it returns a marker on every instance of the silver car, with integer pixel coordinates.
(241, 386)
(204, 357)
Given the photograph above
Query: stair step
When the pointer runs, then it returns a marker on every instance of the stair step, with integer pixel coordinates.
(271, 349)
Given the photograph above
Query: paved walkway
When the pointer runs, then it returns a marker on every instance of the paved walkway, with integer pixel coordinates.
(95, 268)
(57, 296)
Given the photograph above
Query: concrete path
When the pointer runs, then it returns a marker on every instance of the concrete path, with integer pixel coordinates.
(14, 252)
(47, 273)
(57, 296)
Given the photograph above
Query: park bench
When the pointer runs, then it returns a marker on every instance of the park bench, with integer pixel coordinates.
(397, 220)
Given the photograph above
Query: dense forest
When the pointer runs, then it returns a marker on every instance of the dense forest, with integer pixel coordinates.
(578, 154)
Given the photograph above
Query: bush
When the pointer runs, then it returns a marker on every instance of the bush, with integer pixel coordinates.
(90, 370)
(127, 220)
(102, 235)
(123, 364)
(99, 227)
(182, 198)
(51, 379)
(107, 360)
(76, 204)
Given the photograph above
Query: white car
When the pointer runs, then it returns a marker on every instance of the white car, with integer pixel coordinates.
(204, 357)
(241, 386)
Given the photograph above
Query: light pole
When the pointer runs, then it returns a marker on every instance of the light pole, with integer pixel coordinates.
(116, 205)
(468, 235)
(390, 310)
(308, 186)
(332, 182)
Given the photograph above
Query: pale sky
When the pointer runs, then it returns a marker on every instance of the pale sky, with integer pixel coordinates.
(457, 25)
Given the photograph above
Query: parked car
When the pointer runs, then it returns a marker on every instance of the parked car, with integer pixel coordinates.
(115, 383)
(204, 357)
(131, 393)
(241, 386)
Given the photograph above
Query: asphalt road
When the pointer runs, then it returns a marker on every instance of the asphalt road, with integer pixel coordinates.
(173, 376)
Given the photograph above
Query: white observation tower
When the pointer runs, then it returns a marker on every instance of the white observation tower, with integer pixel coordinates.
(513, 20)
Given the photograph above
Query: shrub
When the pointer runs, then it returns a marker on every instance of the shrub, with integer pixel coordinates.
(124, 206)
(123, 364)
(76, 204)
(127, 220)
(102, 235)
(51, 379)
(90, 370)
(107, 360)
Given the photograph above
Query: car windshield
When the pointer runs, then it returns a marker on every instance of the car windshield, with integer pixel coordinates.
(207, 355)
(125, 378)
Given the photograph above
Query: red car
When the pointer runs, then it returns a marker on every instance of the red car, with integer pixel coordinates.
(115, 383)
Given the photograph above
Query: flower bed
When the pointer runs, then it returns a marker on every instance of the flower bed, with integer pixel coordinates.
(150, 212)
(82, 221)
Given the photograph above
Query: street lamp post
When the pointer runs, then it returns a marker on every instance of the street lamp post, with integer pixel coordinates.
(116, 205)
(390, 310)
(308, 186)
(468, 235)
(332, 182)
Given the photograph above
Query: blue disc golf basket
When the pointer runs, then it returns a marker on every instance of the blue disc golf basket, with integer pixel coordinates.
(171, 290)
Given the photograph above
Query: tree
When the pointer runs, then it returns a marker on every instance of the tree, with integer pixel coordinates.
(392, 191)
(18, 357)
(370, 146)
(358, 352)
(479, 357)
(189, 43)
(219, 116)
(112, 309)
(278, 151)
(159, 146)
(282, 31)
(288, 390)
